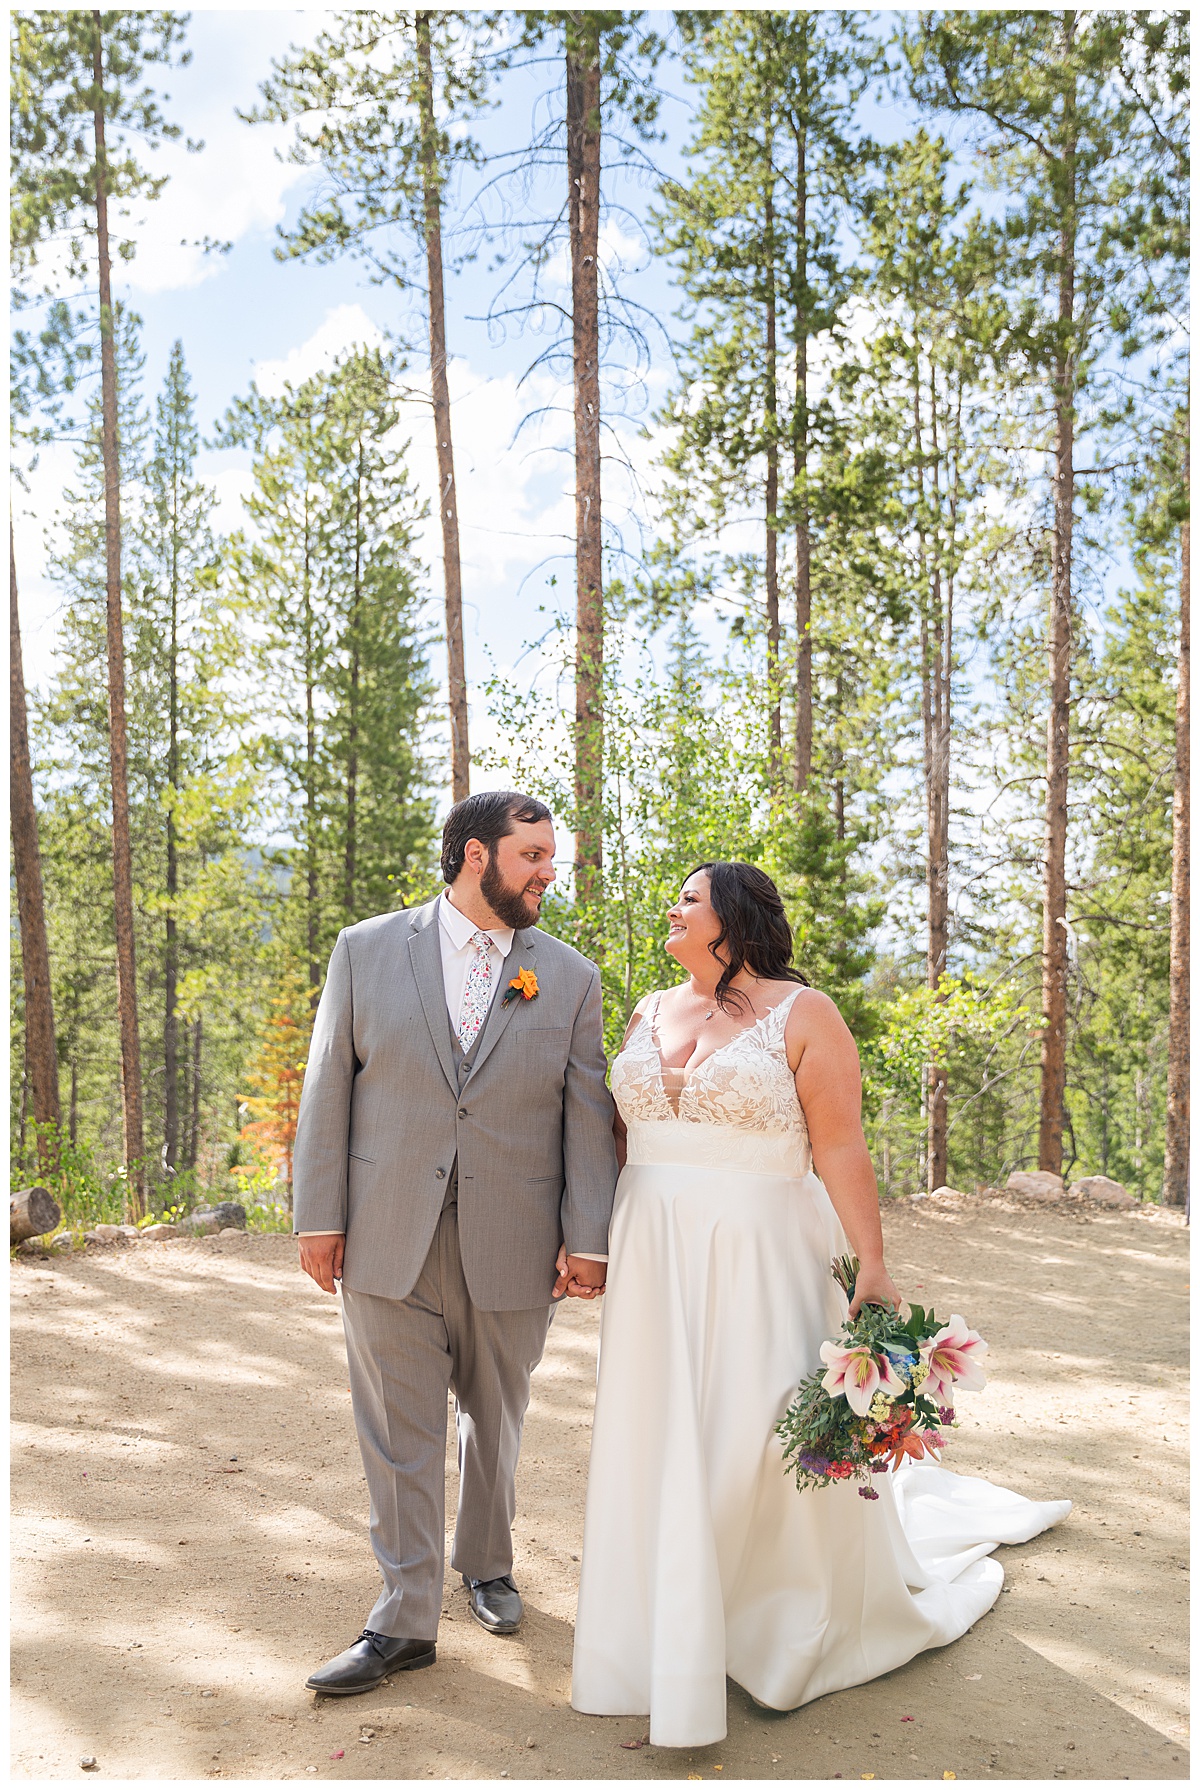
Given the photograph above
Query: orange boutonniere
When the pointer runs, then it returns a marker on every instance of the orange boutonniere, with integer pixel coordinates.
(523, 984)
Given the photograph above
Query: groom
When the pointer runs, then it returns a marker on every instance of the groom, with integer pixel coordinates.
(454, 1168)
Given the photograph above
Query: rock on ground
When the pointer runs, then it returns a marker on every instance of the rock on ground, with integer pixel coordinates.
(1104, 1192)
(1035, 1184)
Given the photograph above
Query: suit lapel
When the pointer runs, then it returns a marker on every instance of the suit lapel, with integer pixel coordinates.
(425, 952)
(522, 956)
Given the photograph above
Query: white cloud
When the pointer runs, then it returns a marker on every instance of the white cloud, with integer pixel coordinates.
(344, 328)
(235, 187)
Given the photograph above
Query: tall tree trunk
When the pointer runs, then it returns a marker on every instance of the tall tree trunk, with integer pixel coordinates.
(197, 1083)
(1176, 1165)
(583, 173)
(1054, 912)
(838, 761)
(310, 776)
(460, 756)
(803, 751)
(351, 857)
(771, 406)
(41, 1055)
(133, 1134)
(941, 605)
(171, 955)
(939, 872)
(933, 1081)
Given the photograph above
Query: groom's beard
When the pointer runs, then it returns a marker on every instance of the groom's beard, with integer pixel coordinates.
(509, 903)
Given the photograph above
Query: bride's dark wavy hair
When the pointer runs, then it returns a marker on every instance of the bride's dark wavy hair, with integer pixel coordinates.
(754, 934)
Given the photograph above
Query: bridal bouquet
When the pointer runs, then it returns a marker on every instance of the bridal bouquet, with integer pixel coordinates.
(886, 1393)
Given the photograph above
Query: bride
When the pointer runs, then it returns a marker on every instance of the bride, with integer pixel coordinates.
(700, 1558)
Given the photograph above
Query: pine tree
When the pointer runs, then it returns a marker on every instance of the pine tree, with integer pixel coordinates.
(72, 67)
(755, 232)
(379, 101)
(1038, 88)
(185, 648)
(928, 396)
(332, 574)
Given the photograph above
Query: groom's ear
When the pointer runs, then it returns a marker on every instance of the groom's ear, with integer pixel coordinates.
(475, 855)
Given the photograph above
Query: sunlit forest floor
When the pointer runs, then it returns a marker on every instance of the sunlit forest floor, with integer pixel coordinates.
(190, 1536)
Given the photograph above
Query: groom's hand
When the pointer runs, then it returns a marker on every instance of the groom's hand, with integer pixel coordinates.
(578, 1276)
(321, 1257)
(587, 1278)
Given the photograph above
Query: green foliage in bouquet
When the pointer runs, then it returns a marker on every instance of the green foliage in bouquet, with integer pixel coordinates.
(884, 1394)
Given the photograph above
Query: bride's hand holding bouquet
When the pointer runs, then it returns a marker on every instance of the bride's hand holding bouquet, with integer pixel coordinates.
(886, 1393)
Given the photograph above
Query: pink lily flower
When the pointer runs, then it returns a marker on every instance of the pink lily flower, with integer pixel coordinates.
(858, 1375)
(954, 1354)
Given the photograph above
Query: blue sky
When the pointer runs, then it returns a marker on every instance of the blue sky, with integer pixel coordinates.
(245, 316)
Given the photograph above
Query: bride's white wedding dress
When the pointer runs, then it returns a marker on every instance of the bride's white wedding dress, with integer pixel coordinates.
(700, 1558)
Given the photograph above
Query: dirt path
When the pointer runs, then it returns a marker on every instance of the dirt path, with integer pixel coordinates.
(170, 1599)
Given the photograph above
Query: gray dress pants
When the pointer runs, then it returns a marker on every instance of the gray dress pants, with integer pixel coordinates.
(404, 1355)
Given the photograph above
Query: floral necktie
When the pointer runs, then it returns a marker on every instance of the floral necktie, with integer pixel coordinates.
(477, 993)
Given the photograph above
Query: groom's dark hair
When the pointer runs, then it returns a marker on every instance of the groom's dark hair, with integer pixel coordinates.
(489, 816)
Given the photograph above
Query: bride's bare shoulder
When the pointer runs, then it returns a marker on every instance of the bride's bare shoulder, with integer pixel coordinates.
(813, 1012)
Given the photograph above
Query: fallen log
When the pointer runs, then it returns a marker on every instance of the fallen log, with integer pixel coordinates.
(32, 1212)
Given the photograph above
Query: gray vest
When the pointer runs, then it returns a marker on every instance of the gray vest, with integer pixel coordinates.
(465, 1061)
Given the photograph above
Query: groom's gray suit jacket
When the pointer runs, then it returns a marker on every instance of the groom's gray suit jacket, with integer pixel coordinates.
(387, 1111)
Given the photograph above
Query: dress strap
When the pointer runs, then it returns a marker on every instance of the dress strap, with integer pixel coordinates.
(776, 1020)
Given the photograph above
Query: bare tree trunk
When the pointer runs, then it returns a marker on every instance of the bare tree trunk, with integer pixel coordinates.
(1176, 1165)
(583, 172)
(1054, 913)
(935, 757)
(23, 1110)
(351, 856)
(802, 761)
(41, 1055)
(133, 1135)
(771, 406)
(171, 955)
(460, 756)
(941, 604)
(194, 1122)
(838, 764)
(310, 776)
(939, 874)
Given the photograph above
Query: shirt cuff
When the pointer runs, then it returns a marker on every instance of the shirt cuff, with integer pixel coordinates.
(320, 1233)
(586, 1255)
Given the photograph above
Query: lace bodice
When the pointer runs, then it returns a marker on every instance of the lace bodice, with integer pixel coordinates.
(746, 1084)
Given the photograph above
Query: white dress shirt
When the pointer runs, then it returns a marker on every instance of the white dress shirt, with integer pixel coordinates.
(455, 933)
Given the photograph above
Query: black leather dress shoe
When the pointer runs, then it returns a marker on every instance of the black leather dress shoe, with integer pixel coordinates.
(368, 1663)
(496, 1603)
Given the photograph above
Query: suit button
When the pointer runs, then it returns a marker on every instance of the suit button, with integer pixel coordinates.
(440, 1173)
(462, 1112)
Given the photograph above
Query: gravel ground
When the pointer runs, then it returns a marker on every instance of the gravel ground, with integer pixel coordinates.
(190, 1536)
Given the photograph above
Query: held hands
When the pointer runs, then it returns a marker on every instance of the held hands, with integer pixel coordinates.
(578, 1277)
(874, 1286)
